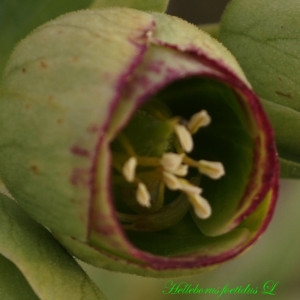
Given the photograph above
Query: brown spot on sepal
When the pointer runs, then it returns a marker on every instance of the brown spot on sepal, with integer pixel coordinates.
(34, 169)
(43, 65)
(60, 121)
(75, 58)
(51, 99)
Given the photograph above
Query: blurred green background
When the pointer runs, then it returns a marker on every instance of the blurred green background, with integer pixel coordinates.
(276, 256)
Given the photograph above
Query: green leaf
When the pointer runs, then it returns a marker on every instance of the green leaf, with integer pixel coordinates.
(18, 18)
(264, 37)
(13, 285)
(39, 265)
(153, 5)
(285, 120)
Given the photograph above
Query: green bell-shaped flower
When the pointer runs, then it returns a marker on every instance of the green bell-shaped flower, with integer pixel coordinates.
(136, 139)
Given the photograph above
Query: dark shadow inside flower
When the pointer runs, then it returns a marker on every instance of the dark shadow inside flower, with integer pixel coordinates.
(229, 139)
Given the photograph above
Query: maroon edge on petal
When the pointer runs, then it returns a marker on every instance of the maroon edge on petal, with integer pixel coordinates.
(270, 165)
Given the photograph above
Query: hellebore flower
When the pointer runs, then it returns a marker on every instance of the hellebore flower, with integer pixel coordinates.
(136, 139)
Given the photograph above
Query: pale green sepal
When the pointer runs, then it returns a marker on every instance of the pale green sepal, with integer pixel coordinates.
(51, 85)
(48, 269)
(153, 5)
(286, 125)
(18, 18)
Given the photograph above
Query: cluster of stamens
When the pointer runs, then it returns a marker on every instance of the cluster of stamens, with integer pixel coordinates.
(174, 167)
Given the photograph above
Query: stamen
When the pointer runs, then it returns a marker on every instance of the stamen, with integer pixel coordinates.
(143, 195)
(185, 138)
(174, 183)
(212, 169)
(189, 188)
(171, 161)
(201, 206)
(129, 168)
(182, 170)
(171, 181)
(198, 120)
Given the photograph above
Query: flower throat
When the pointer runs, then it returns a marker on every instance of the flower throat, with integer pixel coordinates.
(155, 181)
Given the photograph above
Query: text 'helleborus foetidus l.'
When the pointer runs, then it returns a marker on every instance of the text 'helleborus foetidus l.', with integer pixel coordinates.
(136, 139)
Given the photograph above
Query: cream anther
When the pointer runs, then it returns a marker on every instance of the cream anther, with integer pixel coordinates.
(175, 183)
(189, 188)
(142, 195)
(198, 120)
(171, 181)
(212, 169)
(182, 170)
(129, 168)
(184, 137)
(171, 161)
(201, 206)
